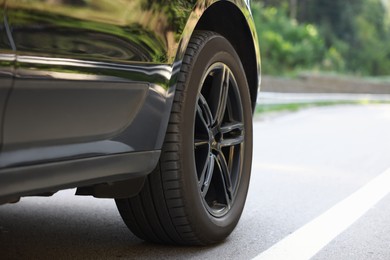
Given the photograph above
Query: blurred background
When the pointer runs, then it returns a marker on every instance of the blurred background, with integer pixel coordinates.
(322, 46)
(343, 36)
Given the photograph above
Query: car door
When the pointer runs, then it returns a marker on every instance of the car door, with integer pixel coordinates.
(83, 70)
(7, 58)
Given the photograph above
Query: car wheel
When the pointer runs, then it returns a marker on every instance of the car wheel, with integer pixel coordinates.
(197, 192)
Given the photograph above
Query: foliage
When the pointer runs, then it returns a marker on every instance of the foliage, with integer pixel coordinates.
(351, 36)
(293, 107)
(285, 44)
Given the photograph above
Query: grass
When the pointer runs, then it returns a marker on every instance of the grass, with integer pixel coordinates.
(292, 107)
(335, 74)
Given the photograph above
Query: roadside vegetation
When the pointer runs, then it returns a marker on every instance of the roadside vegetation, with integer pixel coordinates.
(340, 36)
(293, 107)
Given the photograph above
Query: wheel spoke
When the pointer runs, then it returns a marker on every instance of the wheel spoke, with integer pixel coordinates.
(232, 134)
(217, 98)
(231, 158)
(201, 135)
(207, 175)
(204, 111)
(204, 124)
(226, 178)
(231, 141)
(229, 127)
(200, 142)
(223, 86)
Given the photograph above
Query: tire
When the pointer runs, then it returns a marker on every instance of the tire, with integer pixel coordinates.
(197, 192)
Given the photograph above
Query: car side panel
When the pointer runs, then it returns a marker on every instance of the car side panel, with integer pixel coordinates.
(87, 72)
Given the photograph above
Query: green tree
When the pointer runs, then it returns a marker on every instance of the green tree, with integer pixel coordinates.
(356, 33)
(285, 44)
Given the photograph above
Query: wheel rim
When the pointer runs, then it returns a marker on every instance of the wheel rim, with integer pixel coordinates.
(219, 139)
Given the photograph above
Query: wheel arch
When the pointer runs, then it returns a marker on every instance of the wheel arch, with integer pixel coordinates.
(234, 22)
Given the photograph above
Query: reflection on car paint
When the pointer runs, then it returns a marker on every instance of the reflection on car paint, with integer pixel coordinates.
(52, 153)
(120, 30)
(69, 69)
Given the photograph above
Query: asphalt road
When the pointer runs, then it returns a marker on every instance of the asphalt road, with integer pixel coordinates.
(304, 164)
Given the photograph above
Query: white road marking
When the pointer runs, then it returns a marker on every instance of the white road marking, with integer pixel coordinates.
(308, 240)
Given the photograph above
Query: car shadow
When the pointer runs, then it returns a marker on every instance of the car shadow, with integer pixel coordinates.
(68, 227)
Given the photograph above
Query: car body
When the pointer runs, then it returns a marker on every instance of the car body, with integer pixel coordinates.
(87, 87)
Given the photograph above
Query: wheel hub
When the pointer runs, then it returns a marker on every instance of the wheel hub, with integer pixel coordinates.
(215, 139)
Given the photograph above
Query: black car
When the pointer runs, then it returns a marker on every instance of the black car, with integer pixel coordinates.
(144, 101)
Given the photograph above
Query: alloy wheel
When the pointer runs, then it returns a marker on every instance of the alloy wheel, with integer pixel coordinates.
(218, 139)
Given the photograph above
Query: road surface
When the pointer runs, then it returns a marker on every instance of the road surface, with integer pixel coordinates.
(305, 164)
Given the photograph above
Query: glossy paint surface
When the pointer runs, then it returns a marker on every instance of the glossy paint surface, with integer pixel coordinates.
(91, 78)
(121, 30)
(85, 70)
